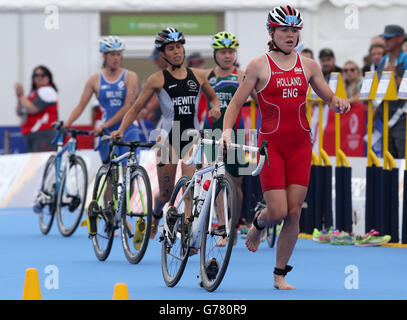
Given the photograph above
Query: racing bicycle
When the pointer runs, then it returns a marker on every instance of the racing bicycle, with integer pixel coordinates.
(64, 184)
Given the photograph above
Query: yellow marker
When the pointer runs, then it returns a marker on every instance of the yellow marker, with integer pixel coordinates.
(368, 93)
(31, 289)
(402, 95)
(386, 91)
(337, 86)
(120, 292)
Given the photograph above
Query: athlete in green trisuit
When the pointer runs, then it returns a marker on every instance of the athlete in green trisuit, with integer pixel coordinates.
(225, 79)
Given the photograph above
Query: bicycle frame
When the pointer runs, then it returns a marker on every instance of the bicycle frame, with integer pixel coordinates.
(69, 147)
(123, 181)
(218, 170)
(197, 227)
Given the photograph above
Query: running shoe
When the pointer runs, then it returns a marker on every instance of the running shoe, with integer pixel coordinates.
(372, 238)
(342, 238)
(323, 236)
(316, 234)
(139, 233)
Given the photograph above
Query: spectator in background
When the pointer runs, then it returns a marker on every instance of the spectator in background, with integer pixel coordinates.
(396, 61)
(195, 60)
(38, 110)
(307, 53)
(376, 53)
(328, 63)
(353, 81)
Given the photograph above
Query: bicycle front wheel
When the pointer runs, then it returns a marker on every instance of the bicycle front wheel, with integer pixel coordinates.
(101, 214)
(48, 191)
(175, 237)
(271, 235)
(215, 251)
(72, 196)
(136, 215)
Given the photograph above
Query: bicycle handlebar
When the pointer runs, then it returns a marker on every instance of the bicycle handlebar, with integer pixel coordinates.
(262, 150)
(133, 145)
(60, 130)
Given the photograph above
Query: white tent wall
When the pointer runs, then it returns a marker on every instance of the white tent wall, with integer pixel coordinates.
(71, 50)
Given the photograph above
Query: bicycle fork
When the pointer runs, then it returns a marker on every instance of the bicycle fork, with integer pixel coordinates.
(198, 224)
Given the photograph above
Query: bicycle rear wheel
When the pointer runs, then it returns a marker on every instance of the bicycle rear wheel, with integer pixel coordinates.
(176, 232)
(72, 196)
(48, 192)
(100, 214)
(136, 215)
(214, 258)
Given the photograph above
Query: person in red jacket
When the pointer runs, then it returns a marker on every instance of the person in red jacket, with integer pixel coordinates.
(281, 78)
(38, 110)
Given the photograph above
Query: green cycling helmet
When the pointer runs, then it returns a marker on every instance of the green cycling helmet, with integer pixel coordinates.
(224, 40)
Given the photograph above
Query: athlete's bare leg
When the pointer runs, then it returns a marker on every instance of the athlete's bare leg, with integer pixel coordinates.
(289, 232)
(274, 213)
(166, 180)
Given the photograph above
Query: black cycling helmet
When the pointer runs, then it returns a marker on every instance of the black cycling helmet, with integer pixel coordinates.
(167, 36)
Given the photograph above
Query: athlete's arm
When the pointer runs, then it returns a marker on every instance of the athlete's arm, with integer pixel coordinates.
(240, 74)
(83, 101)
(214, 111)
(131, 82)
(154, 84)
(323, 90)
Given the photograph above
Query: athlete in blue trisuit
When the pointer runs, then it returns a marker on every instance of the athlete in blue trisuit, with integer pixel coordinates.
(116, 90)
(178, 89)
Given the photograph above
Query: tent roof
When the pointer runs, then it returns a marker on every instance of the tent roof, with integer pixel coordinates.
(179, 5)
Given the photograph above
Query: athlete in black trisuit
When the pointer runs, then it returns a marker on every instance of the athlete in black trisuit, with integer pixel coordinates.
(178, 89)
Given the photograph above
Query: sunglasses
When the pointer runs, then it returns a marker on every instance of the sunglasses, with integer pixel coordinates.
(40, 75)
(350, 69)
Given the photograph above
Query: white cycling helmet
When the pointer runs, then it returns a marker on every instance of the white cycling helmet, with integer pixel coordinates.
(284, 16)
(111, 43)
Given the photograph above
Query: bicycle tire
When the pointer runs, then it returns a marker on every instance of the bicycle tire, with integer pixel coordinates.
(76, 204)
(141, 196)
(105, 217)
(48, 185)
(271, 235)
(172, 270)
(212, 281)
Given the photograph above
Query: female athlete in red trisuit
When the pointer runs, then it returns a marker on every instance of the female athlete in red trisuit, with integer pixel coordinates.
(281, 79)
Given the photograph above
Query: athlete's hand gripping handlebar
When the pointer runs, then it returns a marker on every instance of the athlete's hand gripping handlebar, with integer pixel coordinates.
(262, 150)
